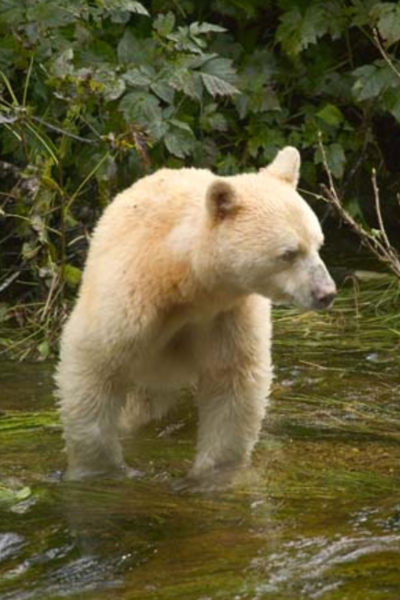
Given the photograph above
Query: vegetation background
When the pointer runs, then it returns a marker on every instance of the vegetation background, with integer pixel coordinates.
(96, 93)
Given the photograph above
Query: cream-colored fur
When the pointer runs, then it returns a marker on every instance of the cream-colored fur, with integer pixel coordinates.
(176, 293)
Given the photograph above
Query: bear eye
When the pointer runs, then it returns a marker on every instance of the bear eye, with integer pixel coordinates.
(290, 254)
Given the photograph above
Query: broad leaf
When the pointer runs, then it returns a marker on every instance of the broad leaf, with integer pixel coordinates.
(127, 5)
(50, 13)
(164, 91)
(188, 82)
(221, 68)
(112, 86)
(135, 51)
(371, 80)
(218, 87)
(330, 114)
(164, 24)
(388, 21)
(138, 78)
(218, 77)
(179, 139)
(143, 109)
(298, 30)
(201, 28)
(63, 66)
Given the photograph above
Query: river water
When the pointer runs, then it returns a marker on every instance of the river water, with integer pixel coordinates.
(322, 520)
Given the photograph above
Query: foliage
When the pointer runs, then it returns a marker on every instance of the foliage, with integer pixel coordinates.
(11, 496)
(95, 94)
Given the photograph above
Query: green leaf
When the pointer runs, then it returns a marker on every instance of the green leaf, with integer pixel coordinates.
(139, 105)
(387, 15)
(218, 87)
(218, 77)
(299, 30)
(392, 103)
(44, 349)
(11, 496)
(120, 16)
(62, 65)
(188, 82)
(23, 493)
(221, 68)
(38, 224)
(11, 12)
(138, 77)
(96, 54)
(181, 125)
(163, 90)
(202, 28)
(127, 47)
(183, 41)
(371, 80)
(131, 47)
(179, 140)
(50, 13)
(112, 86)
(142, 108)
(72, 275)
(330, 114)
(164, 24)
(212, 120)
(127, 5)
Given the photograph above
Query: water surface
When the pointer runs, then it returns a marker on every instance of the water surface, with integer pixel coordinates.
(322, 520)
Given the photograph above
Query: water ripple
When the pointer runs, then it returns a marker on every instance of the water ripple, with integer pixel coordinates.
(304, 563)
(10, 544)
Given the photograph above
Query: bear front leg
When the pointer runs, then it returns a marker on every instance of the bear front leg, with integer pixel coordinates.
(89, 409)
(233, 392)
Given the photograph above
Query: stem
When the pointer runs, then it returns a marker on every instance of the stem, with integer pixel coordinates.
(63, 251)
(73, 136)
(384, 54)
(381, 248)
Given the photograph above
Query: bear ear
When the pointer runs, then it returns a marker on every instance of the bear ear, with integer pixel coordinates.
(221, 200)
(286, 165)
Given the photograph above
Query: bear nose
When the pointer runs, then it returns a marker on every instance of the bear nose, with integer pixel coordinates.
(325, 296)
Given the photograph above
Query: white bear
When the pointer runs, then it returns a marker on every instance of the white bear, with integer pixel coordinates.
(176, 293)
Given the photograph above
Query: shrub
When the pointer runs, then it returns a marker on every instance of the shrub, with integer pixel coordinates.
(95, 94)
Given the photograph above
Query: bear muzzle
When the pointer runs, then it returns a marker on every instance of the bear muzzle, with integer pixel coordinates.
(323, 296)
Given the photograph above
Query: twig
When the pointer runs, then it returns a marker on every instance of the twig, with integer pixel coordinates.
(378, 210)
(9, 280)
(46, 306)
(381, 248)
(357, 164)
(73, 136)
(384, 54)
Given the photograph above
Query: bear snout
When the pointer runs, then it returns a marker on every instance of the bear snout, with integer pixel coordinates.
(324, 296)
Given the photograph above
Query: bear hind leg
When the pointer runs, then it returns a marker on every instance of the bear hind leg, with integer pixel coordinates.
(89, 411)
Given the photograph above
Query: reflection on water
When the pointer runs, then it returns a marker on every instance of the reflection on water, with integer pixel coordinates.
(322, 521)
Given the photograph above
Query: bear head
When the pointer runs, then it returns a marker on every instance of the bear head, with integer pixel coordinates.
(264, 238)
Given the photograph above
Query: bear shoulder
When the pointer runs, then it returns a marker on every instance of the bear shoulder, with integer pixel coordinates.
(167, 186)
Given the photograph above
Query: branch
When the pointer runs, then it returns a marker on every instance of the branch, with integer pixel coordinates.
(381, 248)
(73, 136)
(384, 54)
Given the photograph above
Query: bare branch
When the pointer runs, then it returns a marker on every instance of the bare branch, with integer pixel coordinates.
(384, 54)
(73, 136)
(378, 209)
(379, 244)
